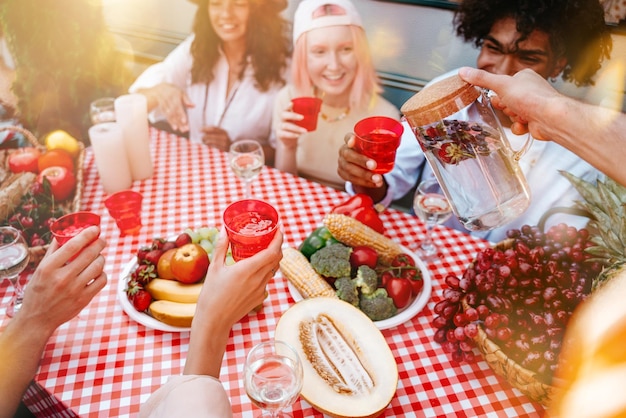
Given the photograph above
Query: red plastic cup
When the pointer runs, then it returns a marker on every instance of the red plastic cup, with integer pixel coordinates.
(68, 226)
(309, 107)
(251, 225)
(378, 138)
(125, 208)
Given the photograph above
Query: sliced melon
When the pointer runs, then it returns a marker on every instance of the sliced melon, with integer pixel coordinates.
(349, 370)
(172, 290)
(173, 313)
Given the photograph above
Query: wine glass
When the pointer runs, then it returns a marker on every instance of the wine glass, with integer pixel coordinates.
(102, 110)
(246, 160)
(14, 257)
(433, 208)
(273, 377)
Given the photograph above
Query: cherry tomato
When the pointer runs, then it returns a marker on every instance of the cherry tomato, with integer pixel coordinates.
(385, 277)
(400, 290)
(363, 255)
(416, 285)
(24, 159)
(402, 260)
(56, 158)
(62, 181)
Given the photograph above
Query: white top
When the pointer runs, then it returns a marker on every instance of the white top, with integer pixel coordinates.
(188, 396)
(541, 165)
(245, 114)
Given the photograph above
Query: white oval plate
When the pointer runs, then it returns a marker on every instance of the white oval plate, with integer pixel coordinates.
(141, 317)
(408, 312)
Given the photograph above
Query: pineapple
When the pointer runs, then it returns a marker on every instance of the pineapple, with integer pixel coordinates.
(606, 202)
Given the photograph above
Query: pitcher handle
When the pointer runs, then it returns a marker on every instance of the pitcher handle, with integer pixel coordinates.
(524, 149)
(517, 155)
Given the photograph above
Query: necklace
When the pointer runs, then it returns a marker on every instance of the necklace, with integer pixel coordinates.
(337, 118)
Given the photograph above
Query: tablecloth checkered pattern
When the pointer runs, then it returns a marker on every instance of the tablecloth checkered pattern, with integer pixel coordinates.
(103, 363)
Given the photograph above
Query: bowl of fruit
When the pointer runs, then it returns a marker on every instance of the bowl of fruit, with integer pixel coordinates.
(513, 303)
(348, 260)
(160, 286)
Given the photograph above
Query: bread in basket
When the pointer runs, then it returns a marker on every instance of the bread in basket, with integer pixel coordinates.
(15, 190)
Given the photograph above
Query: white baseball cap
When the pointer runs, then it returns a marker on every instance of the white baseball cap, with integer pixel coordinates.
(339, 13)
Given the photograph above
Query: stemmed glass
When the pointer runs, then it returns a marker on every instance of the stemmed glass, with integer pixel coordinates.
(246, 160)
(433, 208)
(273, 377)
(14, 257)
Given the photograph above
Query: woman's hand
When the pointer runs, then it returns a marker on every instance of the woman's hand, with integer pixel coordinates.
(236, 290)
(216, 137)
(288, 132)
(60, 288)
(173, 103)
(229, 293)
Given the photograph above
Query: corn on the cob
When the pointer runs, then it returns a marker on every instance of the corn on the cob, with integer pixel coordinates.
(352, 233)
(299, 272)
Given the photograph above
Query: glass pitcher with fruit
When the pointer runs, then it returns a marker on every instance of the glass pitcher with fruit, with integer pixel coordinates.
(469, 153)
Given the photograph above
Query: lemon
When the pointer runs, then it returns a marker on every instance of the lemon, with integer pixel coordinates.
(63, 140)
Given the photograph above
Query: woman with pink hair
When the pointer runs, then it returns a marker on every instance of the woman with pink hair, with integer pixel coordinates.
(331, 60)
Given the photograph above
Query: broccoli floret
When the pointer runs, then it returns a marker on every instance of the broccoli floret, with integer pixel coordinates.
(366, 279)
(346, 290)
(377, 305)
(332, 261)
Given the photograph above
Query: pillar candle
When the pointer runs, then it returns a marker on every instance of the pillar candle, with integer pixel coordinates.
(131, 112)
(109, 152)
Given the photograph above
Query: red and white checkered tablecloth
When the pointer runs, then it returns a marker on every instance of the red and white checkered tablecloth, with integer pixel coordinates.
(103, 363)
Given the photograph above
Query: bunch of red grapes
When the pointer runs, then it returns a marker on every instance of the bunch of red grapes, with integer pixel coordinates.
(522, 296)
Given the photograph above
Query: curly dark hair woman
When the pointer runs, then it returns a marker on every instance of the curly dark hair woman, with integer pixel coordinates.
(576, 29)
(64, 59)
(266, 42)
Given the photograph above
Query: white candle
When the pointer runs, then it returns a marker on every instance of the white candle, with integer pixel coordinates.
(109, 152)
(131, 112)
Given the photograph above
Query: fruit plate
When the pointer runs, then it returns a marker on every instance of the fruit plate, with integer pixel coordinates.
(141, 317)
(406, 313)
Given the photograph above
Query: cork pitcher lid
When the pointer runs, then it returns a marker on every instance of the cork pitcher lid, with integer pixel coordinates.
(439, 100)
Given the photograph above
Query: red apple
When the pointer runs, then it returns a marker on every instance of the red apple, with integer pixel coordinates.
(62, 181)
(24, 159)
(190, 263)
(164, 266)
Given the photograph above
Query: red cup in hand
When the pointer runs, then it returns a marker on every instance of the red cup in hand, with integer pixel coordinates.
(68, 226)
(251, 225)
(309, 107)
(378, 138)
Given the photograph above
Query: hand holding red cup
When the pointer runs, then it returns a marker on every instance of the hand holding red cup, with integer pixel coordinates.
(309, 107)
(378, 138)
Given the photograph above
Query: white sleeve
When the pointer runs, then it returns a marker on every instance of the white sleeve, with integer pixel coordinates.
(188, 396)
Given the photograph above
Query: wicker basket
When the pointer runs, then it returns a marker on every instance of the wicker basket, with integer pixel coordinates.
(519, 377)
(70, 205)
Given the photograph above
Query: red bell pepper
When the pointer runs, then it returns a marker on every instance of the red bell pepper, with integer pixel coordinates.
(361, 207)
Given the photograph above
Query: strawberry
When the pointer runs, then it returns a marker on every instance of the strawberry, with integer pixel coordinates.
(141, 254)
(153, 257)
(144, 273)
(452, 153)
(138, 296)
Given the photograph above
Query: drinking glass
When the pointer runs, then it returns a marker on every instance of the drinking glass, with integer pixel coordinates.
(433, 208)
(102, 110)
(14, 257)
(246, 160)
(273, 377)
